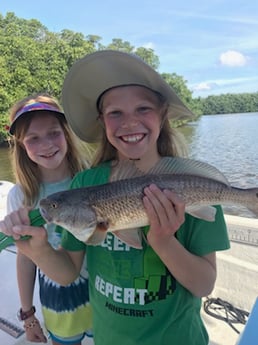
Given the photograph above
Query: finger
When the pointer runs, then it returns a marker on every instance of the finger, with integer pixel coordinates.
(24, 216)
(12, 219)
(19, 217)
(4, 229)
(7, 224)
(163, 206)
(151, 213)
(154, 206)
(22, 230)
(178, 204)
(41, 336)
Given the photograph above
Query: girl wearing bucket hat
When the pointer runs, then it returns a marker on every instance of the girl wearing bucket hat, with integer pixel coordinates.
(152, 294)
(45, 158)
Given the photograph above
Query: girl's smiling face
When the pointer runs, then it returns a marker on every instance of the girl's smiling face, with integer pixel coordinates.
(132, 119)
(45, 142)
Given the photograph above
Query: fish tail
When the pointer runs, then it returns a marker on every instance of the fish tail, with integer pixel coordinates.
(253, 203)
(253, 209)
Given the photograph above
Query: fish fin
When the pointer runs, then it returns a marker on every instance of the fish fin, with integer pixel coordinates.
(99, 234)
(82, 235)
(186, 166)
(132, 237)
(124, 169)
(175, 165)
(207, 213)
(96, 238)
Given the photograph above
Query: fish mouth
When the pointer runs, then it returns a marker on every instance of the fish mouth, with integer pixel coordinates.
(45, 215)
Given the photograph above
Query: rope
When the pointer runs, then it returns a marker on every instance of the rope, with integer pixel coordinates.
(225, 311)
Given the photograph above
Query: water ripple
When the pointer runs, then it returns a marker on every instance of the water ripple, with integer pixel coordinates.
(230, 143)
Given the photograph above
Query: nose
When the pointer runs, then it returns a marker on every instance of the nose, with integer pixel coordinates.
(129, 120)
(46, 142)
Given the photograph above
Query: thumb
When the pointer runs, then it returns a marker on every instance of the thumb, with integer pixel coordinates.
(23, 230)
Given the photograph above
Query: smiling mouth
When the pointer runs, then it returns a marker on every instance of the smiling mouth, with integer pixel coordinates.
(132, 138)
(49, 155)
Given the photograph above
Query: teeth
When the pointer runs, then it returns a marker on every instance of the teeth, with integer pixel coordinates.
(133, 138)
(50, 155)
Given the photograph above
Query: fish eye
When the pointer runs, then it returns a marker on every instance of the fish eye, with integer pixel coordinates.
(54, 205)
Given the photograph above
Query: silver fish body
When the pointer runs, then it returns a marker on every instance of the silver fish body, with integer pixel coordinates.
(89, 212)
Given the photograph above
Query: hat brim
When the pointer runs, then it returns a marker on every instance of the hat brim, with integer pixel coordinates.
(17, 119)
(90, 76)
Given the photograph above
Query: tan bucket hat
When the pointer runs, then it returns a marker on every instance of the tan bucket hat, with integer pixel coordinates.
(90, 76)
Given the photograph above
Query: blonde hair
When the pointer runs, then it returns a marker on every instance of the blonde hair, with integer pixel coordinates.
(26, 172)
(170, 142)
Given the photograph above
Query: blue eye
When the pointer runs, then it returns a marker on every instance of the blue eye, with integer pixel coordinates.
(144, 109)
(115, 113)
(31, 140)
(54, 134)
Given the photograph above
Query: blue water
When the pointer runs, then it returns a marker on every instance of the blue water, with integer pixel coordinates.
(229, 142)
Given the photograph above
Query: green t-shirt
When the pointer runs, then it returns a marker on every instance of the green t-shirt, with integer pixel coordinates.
(135, 299)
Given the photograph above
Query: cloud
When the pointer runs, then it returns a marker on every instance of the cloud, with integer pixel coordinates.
(233, 58)
(149, 45)
(219, 86)
(204, 86)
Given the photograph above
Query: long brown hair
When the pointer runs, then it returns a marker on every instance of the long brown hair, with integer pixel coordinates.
(26, 172)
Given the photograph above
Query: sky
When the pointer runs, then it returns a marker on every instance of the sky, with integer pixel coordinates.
(212, 44)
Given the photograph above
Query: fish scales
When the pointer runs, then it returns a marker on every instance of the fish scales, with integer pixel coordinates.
(117, 205)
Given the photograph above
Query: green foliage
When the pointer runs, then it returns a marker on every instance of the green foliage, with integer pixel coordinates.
(33, 59)
(229, 103)
(3, 129)
(178, 84)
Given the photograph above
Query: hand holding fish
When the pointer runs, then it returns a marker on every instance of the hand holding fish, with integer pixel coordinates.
(166, 213)
(17, 224)
(33, 246)
(19, 217)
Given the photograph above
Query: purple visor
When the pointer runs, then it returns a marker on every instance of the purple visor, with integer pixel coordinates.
(38, 106)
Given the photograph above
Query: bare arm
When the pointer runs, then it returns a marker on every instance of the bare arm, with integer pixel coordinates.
(166, 213)
(59, 265)
(26, 275)
(196, 273)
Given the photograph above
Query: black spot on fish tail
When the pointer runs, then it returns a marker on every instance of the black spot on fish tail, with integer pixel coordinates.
(102, 226)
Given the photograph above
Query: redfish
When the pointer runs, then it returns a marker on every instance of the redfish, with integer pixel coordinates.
(90, 212)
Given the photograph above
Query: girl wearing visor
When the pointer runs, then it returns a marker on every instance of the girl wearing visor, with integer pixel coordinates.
(149, 293)
(45, 157)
